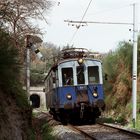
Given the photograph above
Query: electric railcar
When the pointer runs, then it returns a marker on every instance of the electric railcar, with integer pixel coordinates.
(74, 86)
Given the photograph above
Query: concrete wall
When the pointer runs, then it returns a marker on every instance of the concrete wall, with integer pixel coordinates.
(39, 91)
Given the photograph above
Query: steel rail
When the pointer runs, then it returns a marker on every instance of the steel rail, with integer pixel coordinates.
(128, 132)
(87, 136)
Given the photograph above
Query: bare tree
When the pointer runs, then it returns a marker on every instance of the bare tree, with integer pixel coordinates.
(16, 16)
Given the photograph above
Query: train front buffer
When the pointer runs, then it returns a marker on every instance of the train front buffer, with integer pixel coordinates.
(81, 98)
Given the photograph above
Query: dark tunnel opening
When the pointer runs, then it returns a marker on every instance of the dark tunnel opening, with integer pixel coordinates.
(35, 99)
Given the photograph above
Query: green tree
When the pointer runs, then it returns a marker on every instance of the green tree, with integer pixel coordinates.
(50, 52)
(118, 89)
(10, 67)
(9, 62)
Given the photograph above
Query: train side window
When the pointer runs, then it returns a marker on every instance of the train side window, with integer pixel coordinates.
(67, 76)
(93, 74)
(80, 75)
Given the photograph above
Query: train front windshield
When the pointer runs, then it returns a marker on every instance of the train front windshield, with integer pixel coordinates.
(67, 76)
(80, 75)
(93, 74)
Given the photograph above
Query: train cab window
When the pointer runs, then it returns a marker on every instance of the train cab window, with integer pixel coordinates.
(67, 76)
(80, 75)
(93, 74)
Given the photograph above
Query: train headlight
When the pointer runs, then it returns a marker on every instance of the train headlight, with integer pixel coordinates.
(95, 94)
(69, 96)
(80, 61)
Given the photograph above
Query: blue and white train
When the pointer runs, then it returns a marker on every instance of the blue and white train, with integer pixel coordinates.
(74, 86)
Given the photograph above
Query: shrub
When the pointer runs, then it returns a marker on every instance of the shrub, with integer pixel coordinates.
(10, 67)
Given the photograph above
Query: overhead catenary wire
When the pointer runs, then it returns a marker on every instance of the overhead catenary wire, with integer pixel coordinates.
(98, 22)
(86, 10)
(107, 10)
(80, 21)
(111, 9)
(43, 16)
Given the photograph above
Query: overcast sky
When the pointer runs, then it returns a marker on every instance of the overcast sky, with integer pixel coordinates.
(96, 37)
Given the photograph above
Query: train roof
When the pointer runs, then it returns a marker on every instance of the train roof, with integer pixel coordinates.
(74, 54)
(75, 59)
(77, 53)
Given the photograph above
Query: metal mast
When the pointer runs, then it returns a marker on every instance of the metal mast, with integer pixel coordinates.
(134, 70)
(28, 65)
(30, 41)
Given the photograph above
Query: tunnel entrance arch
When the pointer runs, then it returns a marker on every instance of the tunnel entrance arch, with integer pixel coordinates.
(35, 100)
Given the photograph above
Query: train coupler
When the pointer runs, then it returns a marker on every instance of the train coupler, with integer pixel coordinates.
(82, 108)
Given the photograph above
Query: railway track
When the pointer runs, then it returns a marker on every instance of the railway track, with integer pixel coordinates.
(129, 132)
(86, 135)
(97, 131)
(105, 132)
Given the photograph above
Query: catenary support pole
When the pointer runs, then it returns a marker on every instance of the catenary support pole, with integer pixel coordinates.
(134, 67)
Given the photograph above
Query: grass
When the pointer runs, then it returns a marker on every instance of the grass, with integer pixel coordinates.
(31, 134)
(46, 132)
(41, 127)
(135, 126)
(138, 122)
(123, 115)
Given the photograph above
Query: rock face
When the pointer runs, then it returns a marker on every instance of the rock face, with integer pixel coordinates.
(14, 121)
